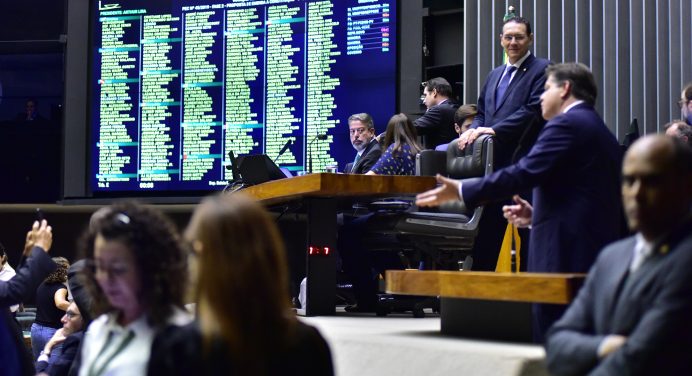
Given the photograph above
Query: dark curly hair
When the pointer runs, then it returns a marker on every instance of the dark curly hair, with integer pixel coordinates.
(158, 252)
(60, 274)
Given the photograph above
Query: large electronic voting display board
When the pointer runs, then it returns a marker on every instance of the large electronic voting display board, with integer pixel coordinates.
(177, 84)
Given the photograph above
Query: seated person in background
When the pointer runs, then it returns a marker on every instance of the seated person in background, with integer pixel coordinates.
(399, 157)
(358, 262)
(137, 277)
(437, 122)
(463, 118)
(245, 325)
(362, 132)
(632, 316)
(14, 356)
(30, 112)
(51, 303)
(56, 363)
(6, 273)
(678, 128)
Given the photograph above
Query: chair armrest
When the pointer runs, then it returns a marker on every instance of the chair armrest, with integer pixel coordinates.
(431, 162)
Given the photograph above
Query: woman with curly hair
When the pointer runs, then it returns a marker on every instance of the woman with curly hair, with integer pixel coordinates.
(137, 275)
(245, 323)
(51, 303)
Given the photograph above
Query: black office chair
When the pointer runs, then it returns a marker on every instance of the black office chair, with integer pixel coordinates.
(446, 233)
(432, 238)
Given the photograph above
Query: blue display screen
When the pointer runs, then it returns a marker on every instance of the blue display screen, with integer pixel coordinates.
(176, 85)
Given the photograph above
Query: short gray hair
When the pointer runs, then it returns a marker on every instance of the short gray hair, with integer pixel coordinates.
(364, 118)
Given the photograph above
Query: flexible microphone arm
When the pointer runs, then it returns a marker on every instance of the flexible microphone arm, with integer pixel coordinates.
(283, 149)
(317, 137)
(233, 166)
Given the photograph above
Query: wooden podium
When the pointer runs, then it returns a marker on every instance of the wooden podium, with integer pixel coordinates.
(487, 305)
(319, 194)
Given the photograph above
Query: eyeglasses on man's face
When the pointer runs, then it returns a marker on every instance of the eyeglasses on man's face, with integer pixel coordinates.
(518, 37)
(359, 131)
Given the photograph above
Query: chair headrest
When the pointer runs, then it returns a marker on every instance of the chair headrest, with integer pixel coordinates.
(470, 162)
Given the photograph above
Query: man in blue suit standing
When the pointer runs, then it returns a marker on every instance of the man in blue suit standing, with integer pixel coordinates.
(509, 102)
(632, 317)
(574, 170)
(508, 108)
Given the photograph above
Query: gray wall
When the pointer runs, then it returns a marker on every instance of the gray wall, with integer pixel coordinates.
(75, 134)
(640, 51)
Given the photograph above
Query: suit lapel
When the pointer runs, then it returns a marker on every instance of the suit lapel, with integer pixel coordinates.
(494, 80)
(627, 304)
(362, 156)
(637, 289)
(619, 272)
(520, 73)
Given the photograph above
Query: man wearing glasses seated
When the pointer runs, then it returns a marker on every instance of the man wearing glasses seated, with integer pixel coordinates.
(60, 351)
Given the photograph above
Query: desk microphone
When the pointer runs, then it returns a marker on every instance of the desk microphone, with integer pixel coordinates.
(283, 149)
(236, 181)
(317, 137)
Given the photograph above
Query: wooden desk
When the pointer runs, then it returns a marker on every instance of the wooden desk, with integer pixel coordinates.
(487, 304)
(319, 194)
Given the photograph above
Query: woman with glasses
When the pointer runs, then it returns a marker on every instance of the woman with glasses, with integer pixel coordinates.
(245, 325)
(137, 275)
(400, 148)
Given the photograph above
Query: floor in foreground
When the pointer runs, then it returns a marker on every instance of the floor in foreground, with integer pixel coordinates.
(363, 344)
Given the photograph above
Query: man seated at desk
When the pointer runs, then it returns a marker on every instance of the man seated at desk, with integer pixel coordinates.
(361, 129)
(358, 261)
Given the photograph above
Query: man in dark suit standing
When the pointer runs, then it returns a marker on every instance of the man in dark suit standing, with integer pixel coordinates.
(362, 132)
(508, 108)
(633, 314)
(437, 124)
(574, 171)
(509, 102)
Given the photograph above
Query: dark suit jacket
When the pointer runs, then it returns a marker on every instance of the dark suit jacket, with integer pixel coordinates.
(370, 155)
(61, 366)
(437, 124)
(574, 170)
(29, 276)
(519, 110)
(651, 306)
(181, 351)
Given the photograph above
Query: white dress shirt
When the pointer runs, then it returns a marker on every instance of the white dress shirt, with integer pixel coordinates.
(111, 349)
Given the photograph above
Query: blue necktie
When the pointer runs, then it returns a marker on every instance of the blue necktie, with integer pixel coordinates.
(504, 83)
(355, 161)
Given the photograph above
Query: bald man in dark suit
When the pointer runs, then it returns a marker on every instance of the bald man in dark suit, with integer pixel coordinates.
(632, 317)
